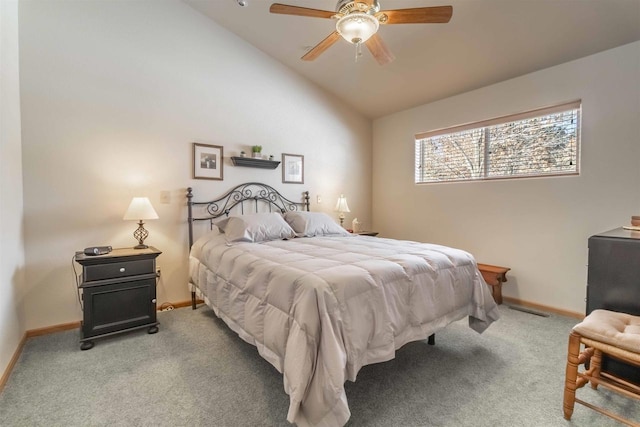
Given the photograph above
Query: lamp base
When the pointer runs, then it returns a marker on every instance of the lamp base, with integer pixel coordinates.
(140, 234)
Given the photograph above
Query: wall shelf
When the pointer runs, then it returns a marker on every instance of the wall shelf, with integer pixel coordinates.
(250, 162)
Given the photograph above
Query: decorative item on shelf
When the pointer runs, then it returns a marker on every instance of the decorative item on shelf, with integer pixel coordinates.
(635, 224)
(140, 209)
(342, 207)
(356, 226)
(256, 151)
(271, 157)
(242, 154)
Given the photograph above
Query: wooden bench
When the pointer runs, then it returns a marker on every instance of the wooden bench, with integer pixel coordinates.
(495, 276)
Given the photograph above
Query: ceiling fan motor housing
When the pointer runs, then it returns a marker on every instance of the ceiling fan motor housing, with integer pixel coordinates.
(347, 6)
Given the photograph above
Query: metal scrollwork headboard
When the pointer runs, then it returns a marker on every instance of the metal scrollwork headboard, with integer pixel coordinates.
(251, 192)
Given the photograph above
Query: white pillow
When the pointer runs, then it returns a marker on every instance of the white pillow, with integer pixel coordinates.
(309, 224)
(258, 227)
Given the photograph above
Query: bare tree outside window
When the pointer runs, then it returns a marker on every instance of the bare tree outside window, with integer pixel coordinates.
(539, 143)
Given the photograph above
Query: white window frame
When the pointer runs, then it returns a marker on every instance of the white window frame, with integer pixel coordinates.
(484, 125)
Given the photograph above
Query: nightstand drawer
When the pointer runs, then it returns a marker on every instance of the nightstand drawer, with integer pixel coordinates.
(118, 269)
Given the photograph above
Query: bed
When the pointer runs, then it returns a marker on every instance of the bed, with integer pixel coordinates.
(319, 303)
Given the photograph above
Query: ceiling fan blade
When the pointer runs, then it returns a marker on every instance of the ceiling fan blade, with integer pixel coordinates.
(285, 9)
(418, 15)
(379, 50)
(321, 47)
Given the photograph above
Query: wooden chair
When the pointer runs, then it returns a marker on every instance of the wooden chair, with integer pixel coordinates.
(602, 332)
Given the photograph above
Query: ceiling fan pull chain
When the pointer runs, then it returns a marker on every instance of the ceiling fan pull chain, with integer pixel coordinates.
(358, 50)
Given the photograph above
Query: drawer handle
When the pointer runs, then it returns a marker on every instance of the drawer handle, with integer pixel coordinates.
(122, 270)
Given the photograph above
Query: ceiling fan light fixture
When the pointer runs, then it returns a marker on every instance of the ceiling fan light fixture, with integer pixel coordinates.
(357, 27)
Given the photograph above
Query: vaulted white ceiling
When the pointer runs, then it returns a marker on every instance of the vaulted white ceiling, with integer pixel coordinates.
(486, 41)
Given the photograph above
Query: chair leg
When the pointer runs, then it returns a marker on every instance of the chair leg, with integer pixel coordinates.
(571, 375)
(584, 358)
(596, 365)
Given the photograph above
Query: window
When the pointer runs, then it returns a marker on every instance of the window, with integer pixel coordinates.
(542, 142)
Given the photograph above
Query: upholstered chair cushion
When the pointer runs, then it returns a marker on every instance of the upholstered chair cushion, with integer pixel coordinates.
(617, 329)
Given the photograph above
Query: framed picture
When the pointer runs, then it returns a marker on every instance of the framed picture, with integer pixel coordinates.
(292, 168)
(207, 161)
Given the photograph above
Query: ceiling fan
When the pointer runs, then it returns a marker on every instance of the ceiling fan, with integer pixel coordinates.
(358, 22)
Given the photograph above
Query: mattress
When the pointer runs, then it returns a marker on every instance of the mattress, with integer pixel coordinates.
(320, 308)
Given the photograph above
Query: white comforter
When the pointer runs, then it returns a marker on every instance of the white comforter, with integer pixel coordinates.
(320, 308)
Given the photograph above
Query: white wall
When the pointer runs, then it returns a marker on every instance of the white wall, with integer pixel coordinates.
(113, 95)
(12, 325)
(538, 227)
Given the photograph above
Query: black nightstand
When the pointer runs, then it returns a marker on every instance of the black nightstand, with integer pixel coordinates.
(118, 293)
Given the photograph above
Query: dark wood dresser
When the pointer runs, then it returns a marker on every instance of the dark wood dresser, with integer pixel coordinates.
(118, 293)
(613, 283)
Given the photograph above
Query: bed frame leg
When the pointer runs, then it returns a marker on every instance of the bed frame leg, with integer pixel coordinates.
(432, 339)
(193, 300)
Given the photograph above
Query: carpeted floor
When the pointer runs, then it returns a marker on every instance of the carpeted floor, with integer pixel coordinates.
(196, 372)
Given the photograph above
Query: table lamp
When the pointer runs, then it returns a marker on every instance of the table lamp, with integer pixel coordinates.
(342, 207)
(140, 209)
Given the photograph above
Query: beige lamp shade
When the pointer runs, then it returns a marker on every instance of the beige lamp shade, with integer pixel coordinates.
(140, 208)
(342, 205)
